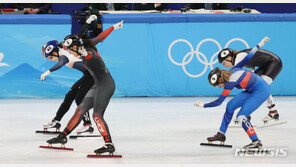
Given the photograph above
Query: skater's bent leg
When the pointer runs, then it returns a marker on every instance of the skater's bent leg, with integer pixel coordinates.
(74, 121)
(85, 105)
(102, 126)
(83, 89)
(66, 104)
(254, 101)
(248, 127)
(101, 101)
(232, 105)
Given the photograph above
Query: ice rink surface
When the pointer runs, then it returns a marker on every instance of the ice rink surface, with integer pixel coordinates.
(144, 131)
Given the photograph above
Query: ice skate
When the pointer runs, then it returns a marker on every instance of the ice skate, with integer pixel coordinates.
(107, 148)
(53, 124)
(218, 137)
(60, 139)
(84, 129)
(270, 117)
(255, 145)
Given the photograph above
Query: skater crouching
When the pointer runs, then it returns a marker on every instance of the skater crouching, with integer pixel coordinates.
(256, 92)
(268, 65)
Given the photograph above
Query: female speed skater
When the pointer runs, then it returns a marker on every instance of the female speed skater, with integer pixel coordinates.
(77, 92)
(268, 65)
(99, 95)
(255, 93)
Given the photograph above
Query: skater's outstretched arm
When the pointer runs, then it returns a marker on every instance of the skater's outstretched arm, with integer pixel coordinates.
(221, 98)
(243, 62)
(105, 33)
(62, 61)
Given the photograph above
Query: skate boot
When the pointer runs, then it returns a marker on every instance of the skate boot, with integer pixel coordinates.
(84, 129)
(274, 115)
(52, 124)
(218, 137)
(256, 144)
(61, 138)
(108, 147)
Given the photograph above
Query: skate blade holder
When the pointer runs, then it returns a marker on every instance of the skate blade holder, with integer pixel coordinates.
(216, 145)
(255, 151)
(269, 124)
(47, 132)
(275, 120)
(45, 129)
(62, 147)
(111, 155)
(84, 136)
(79, 133)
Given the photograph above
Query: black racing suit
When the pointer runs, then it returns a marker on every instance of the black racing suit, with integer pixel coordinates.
(263, 62)
(98, 96)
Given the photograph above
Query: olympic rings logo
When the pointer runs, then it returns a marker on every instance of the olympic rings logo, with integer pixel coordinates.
(199, 54)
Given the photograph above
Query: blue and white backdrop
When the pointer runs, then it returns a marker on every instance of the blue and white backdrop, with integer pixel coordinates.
(153, 55)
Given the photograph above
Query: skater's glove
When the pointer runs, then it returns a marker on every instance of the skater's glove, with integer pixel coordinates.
(91, 19)
(264, 40)
(199, 104)
(118, 25)
(82, 51)
(42, 77)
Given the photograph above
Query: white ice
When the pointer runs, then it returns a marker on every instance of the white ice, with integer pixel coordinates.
(144, 130)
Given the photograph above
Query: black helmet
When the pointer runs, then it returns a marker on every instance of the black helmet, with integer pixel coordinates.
(214, 76)
(71, 40)
(224, 53)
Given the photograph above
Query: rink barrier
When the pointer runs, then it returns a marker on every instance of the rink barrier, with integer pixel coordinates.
(152, 55)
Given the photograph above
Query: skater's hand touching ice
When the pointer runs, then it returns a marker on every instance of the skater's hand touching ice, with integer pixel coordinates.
(264, 40)
(118, 25)
(199, 104)
(42, 76)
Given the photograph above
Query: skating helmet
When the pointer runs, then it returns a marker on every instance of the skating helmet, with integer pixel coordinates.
(49, 47)
(224, 53)
(214, 76)
(71, 40)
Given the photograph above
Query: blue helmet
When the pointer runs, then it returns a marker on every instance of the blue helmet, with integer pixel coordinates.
(49, 47)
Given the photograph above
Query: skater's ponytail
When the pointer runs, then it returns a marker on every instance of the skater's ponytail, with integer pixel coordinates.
(225, 75)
